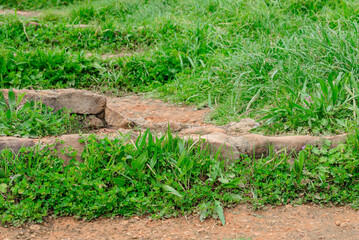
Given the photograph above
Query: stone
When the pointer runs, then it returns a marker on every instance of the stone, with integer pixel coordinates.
(259, 145)
(222, 142)
(232, 147)
(163, 126)
(94, 122)
(115, 119)
(243, 126)
(67, 144)
(15, 144)
(203, 130)
(77, 101)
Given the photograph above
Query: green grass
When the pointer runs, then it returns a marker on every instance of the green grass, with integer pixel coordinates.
(34, 4)
(292, 65)
(166, 176)
(250, 58)
(33, 119)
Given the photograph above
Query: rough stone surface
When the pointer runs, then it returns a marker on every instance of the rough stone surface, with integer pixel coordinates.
(243, 126)
(15, 143)
(67, 144)
(113, 118)
(258, 145)
(92, 121)
(163, 126)
(221, 141)
(203, 130)
(78, 101)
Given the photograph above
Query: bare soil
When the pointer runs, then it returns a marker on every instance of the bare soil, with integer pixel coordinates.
(285, 222)
(156, 111)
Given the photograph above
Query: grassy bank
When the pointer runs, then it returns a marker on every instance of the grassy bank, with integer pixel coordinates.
(164, 177)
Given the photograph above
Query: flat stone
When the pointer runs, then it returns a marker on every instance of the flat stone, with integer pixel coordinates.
(115, 119)
(163, 126)
(259, 145)
(203, 130)
(15, 144)
(93, 121)
(232, 147)
(243, 126)
(77, 101)
(222, 142)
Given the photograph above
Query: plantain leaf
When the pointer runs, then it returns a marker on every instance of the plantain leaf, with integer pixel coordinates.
(219, 211)
(171, 190)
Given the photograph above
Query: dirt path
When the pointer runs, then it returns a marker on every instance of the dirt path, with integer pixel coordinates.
(287, 222)
(156, 111)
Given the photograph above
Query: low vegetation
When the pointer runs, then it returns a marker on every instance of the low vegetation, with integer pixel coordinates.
(34, 4)
(33, 119)
(291, 64)
(166, 176)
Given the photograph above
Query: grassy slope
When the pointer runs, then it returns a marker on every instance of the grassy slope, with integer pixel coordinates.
(292, 61)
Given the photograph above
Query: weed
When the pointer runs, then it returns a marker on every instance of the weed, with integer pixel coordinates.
(32, 119)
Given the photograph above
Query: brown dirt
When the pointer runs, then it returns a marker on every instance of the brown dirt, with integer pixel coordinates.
(286, 222)
(156, 111)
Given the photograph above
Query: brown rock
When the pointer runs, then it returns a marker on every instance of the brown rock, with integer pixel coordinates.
(203, 130)
(244, 126)
(115, 119)
(222, 142)
(259, 145)
(163, 126)
(15, 143)
(67, 144)
(77, 101)
(92, 121)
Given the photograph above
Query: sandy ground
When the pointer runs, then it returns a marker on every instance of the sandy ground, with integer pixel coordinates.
(285, 222)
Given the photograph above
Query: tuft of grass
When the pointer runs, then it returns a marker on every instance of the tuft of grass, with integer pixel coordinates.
(32, 119)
